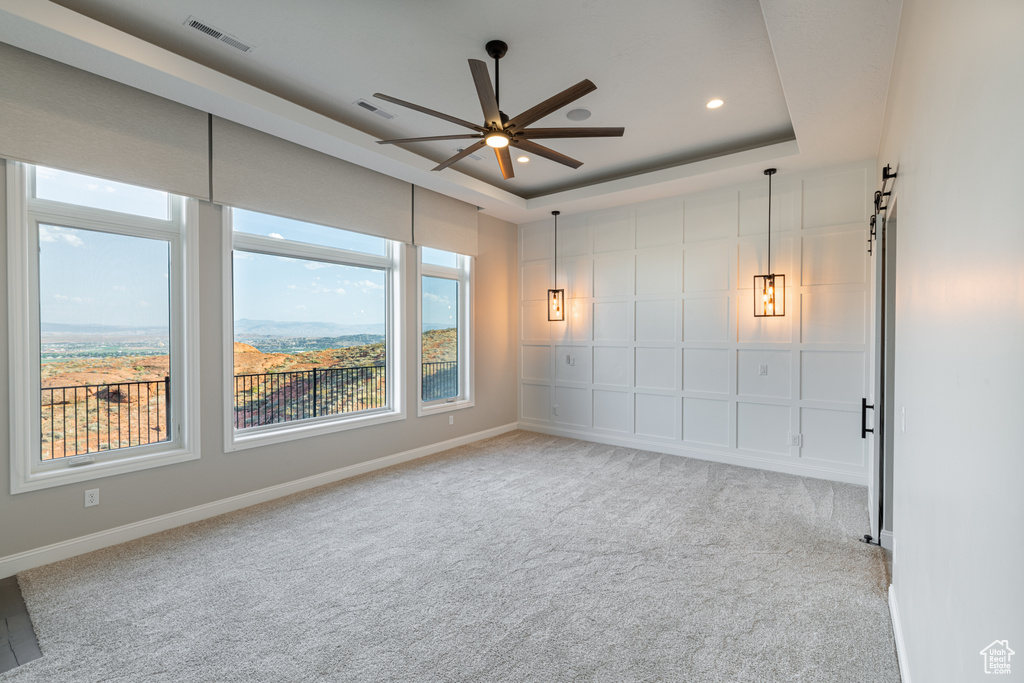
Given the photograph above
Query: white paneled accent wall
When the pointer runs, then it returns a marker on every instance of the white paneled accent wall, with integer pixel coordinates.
(660, 349)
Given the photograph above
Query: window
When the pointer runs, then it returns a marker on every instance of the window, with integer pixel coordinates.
(100, 310)
(313, 329)
(444, 323)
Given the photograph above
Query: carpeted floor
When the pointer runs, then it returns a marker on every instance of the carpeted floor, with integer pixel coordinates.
(521, 558)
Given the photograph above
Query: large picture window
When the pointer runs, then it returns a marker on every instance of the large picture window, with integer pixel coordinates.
(99, 315)
(444, 314)
(313, 319)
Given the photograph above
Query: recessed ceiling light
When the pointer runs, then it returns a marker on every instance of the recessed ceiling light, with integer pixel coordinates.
(578, 114)
(523, 159)
(715, 103)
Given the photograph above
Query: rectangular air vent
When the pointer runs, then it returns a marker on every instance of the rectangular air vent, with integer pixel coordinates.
(474, 157)
(375, 109)
(217, 34)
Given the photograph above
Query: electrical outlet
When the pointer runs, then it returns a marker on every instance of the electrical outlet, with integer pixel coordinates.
(554, 410)
(572, 361)
(796, 440)
(451, 419)
(92, 497)
(762, 369)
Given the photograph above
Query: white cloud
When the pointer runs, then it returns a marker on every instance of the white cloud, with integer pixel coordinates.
(339, 290)
(369, 287)
(430, 296)
(276, 236)
(51, 233)
(313, 265)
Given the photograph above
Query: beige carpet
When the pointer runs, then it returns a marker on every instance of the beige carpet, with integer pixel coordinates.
(520, 558)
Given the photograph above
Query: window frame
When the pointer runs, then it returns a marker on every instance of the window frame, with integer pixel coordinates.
(463, 274)
(25, 214)
(391, 263)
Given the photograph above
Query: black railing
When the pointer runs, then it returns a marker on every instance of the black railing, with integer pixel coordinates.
(98, 417)
(440, 380)
(90, 418)
(276, 397)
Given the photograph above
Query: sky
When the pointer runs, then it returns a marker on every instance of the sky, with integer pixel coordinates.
(94, 278)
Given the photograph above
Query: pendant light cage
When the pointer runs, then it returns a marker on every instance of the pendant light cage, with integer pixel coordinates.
(769, 289)
(556, 297)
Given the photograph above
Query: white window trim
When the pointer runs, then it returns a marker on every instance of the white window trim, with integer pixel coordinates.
(463, 273)
(28, 473)
(236, 440)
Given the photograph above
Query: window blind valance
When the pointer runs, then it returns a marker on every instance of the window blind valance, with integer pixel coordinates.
(256, 171)
(56, 115)
(441, 222)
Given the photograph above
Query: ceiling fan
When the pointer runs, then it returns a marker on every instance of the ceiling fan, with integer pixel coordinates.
(501, 132)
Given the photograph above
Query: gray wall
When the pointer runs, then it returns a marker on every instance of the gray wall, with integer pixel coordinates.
(953, 129)
(40, 518)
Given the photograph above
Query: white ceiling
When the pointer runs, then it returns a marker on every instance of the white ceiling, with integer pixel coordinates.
(804, 82)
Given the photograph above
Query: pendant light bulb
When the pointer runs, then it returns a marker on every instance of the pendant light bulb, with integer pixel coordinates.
(556, 297)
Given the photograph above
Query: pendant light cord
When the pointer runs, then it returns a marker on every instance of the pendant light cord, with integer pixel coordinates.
(555, 259)
(770, 172)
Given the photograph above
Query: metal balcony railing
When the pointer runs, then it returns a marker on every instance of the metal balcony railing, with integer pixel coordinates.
(90, 418)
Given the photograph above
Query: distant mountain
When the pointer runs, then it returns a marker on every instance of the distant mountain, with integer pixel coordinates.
(277, 328)
(63, 328)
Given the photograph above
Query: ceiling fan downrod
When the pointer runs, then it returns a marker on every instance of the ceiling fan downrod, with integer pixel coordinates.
(497, 49)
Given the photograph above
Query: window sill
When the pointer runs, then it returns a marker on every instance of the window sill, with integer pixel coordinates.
(240, 440)
(424, 409)
(109, 468)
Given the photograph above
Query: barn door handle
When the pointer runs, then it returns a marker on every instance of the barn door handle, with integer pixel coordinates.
(864, 419)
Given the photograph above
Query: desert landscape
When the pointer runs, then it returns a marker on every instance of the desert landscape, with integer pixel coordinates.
(98, 404)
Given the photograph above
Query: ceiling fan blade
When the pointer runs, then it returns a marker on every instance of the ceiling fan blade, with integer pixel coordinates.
(542, 151)
(484, 90)
(592, 132)
(464, 153)
(431, 112)
(551, 104)
(461, 136)
(505, 161)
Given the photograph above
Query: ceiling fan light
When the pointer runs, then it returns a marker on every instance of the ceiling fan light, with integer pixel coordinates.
(497, 140)
(523, 159)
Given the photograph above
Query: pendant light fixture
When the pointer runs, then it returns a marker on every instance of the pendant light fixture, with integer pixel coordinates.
(770, 289)
(556, 297)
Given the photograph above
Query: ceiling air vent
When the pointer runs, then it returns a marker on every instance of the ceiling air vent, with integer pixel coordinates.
(217, 34)
(474, 157)
(374, 108)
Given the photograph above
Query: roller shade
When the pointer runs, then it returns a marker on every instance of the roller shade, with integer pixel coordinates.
(441, 222)
(256, 171)
(56, 115)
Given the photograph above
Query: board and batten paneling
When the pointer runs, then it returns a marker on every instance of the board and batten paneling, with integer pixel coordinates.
(660, 349)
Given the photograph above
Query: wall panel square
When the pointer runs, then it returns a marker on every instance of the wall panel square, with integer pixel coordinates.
(574, 407)
(657, 271)
(711, 217)
(835, 258)
(832, 436)
(706, 370)
(762, 427)
(831, 317)
(536, 402)
(836, 198)
(613, 274)
(612, 365)
(656, 416)
(612, 231)
(659, 224)
(656, 320)
(612, 411)
(832, 376)
(706, 319)
(776, 383)
(706, 421)
(613, 321)
(656, 368)
(536, 363)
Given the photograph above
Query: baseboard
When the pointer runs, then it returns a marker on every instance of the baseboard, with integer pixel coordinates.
(897, 631)
(885, 538)
(800, 469)
(12, 564)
